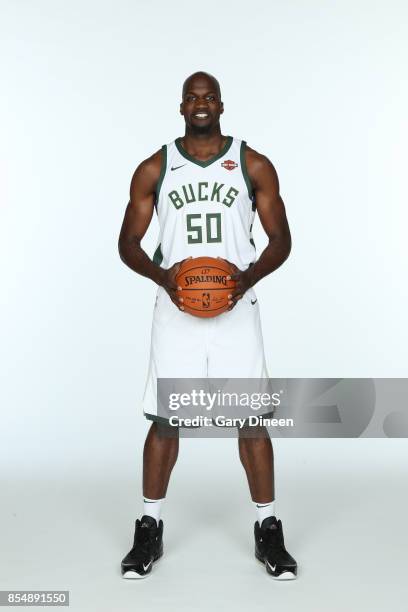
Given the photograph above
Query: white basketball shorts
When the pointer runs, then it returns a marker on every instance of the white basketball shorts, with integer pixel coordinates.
(184, 346)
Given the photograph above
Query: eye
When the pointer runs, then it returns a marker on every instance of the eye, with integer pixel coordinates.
(212, 98)
(190, 98)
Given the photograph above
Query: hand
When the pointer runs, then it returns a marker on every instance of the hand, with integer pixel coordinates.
(243, 283)
(168, 282)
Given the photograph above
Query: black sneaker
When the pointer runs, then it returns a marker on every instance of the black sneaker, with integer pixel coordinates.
(270, 549)
(147, 548)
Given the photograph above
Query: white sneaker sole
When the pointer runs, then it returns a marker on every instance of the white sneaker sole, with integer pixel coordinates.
(131, 575)
(283, 576)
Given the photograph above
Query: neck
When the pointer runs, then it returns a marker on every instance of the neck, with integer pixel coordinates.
(203, 144)
(194, 134)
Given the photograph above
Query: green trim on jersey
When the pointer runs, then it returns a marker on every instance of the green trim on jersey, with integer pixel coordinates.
(158, 419)
(208, 162)
(163, 421)
(158, 256)
(245, 171)
(251, 240)
(162, 171)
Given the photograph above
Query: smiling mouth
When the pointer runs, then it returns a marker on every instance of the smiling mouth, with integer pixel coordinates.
(201, 115)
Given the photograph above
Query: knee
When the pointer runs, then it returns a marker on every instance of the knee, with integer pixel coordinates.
(162, 438)
(252, 435)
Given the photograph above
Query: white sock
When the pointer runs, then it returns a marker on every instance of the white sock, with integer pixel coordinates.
(152, 507)
(264, 510)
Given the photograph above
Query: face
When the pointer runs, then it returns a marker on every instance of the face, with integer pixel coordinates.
(201, 105)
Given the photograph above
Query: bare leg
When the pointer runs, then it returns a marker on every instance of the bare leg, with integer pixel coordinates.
(159, 457)
(256, 454)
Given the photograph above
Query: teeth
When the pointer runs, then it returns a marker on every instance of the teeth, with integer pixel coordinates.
(201, 115)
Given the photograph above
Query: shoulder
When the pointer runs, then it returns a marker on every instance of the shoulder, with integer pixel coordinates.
(260, 168)
(151, 165)
(257, 162)
(149, 170)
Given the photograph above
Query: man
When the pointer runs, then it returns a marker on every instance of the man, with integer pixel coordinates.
(206, 188)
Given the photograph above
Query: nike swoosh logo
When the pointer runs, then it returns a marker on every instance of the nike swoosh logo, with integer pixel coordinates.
(146, 567)
(177, 167)
(271, 566)
(254, 302)
(264, 506)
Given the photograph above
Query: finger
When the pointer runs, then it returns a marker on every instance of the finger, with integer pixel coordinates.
(183, 260)
(179, 306)
(177, 265)
(171, 279)
(175, 298)
(175, 270)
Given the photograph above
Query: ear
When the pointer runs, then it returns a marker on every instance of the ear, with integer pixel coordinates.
(181, 109)
(222, 108)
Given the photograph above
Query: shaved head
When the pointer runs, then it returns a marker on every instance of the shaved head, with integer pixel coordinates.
(201, 76)
(201, 104)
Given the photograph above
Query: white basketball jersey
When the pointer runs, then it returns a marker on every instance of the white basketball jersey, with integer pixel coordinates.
(205, 207)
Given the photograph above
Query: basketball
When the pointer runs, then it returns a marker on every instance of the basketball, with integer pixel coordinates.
(204, 286)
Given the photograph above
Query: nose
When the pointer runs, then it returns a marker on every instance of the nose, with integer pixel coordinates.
(201, 104)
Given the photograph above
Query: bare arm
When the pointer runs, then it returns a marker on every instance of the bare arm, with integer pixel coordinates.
(137, 219)
(271, 211)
